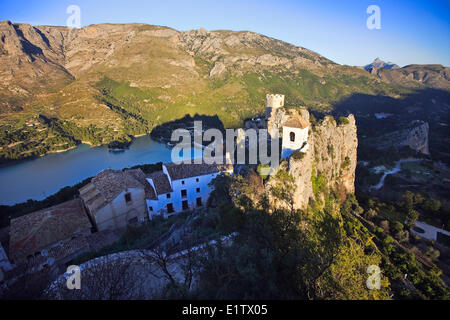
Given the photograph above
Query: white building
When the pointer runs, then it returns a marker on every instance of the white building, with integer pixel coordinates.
(182, 187)
(295, 136)
(114, 198)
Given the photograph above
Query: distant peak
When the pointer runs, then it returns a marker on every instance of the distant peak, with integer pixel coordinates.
(380, 64)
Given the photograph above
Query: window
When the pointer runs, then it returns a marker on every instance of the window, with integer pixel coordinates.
(170, 208)
(168, 196)
(127, 197)
(197, 180)
(292, 136)
(198, 190)
(185, 205)
(184, 193)
(150, 208)
(199, 202)
(182, 181)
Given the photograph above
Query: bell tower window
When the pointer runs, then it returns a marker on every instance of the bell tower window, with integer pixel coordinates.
(292, 136)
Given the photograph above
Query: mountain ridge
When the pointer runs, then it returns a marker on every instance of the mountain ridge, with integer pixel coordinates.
(107, 82)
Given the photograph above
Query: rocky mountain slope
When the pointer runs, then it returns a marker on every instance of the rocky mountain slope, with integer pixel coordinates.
(411, 76)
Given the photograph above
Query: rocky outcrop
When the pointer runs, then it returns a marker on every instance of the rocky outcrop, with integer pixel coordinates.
(380, 64)
(414, 136)
(329, 163)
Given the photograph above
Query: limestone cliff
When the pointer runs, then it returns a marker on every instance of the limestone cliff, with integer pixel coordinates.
(329, 163)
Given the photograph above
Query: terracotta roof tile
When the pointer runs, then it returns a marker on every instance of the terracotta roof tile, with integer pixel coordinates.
(108, 184)
(161, 182)
(297, 122)
(111, 183)
(140, 176)
(37, 230)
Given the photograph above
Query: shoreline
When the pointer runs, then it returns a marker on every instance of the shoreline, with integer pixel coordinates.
(90, 144)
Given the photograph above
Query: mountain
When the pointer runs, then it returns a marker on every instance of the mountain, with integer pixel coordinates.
(380, 64)
(411, 76)
(418, 76)
(107, 82)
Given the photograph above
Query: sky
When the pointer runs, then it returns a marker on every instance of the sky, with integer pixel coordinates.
(411, 32)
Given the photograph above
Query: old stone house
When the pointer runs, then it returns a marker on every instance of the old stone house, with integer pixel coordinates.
(114, 198)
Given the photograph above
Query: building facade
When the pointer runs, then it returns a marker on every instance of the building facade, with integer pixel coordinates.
(114, 198)
(295, 137)
(182, 187)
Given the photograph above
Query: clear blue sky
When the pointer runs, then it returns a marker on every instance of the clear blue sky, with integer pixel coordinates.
(411, 31)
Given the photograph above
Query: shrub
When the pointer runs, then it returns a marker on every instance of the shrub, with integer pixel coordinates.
(384, 225)
(346, 162)
(432, 253)
(342, 121)
(298, 155)
(370, 214)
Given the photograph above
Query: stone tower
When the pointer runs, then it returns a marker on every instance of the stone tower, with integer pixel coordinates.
(273, 102)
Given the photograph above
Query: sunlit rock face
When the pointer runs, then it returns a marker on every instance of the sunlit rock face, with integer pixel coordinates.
(332, 154)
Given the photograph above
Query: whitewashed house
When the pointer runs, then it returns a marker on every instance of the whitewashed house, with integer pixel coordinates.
(295, 136)
(114, 198)
(182, 187)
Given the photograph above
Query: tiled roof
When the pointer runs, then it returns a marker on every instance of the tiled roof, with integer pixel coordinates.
(161, 182)
(139, 175)
(108, 184)
(111, 183)
(62, 250)
(35, 231)
(184, 171)
(297, 122)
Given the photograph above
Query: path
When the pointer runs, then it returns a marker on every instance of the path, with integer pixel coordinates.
(396, 169)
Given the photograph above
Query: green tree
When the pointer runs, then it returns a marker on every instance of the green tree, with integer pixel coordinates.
(432, 253)
(412, 216)
(432, 205)
(408, 198)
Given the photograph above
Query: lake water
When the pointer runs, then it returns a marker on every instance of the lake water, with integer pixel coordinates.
(39, 178)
